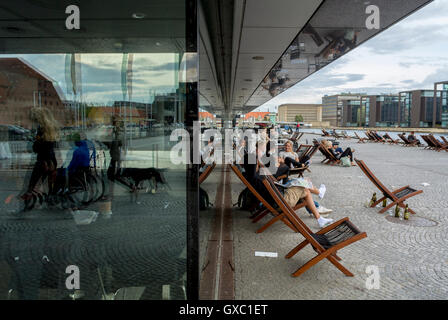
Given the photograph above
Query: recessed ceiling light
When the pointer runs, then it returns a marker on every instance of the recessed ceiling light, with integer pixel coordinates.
(158, 44)
(258, 58)
(138, 15)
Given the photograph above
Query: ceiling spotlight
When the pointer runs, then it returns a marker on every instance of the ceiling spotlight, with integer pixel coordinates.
(258, 58)
(158, 44)
(138, 15)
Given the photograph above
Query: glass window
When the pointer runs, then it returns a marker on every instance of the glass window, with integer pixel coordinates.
(93, 207)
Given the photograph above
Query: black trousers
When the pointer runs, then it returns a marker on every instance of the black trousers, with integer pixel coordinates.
(296, 164)
(347, 153)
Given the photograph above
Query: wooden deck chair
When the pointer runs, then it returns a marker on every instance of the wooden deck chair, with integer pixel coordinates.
(373, 137)
(429, 143)
(268, 208)
(407, 143)
(336, 135)
(444, 140)
(360, 140)
(439, 146)
(378, 137)
(345, 135)
(325, 133)
(311, 152)
(325, 242)
(329, 157)
(294, 136)
(397, 196)
(204, 175)
(297, 137)
(390, 140)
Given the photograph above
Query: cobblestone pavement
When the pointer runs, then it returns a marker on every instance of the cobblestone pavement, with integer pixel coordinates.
(142, 244)
(412, 260)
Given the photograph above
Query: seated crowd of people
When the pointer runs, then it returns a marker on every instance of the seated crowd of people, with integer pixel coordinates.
(282, 163)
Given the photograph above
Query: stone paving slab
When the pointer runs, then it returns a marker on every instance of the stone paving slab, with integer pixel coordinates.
(412, 261)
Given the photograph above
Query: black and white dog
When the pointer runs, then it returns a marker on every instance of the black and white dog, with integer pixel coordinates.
(134, 178)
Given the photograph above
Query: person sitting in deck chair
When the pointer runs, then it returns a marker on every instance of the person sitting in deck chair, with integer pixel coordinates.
(412, 138)
(293, 194)
(338, 152)
(290, 158)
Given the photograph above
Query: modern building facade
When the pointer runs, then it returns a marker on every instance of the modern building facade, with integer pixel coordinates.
(332, 108)
(417, 108)
(227, 57)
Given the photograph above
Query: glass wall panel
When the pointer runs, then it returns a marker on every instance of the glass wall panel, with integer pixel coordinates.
(91, 205)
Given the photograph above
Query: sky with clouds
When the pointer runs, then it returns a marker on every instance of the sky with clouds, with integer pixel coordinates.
(412, 54)
(152, 73)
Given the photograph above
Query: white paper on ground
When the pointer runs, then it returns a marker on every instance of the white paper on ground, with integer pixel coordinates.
(266, 254)
(425, 184)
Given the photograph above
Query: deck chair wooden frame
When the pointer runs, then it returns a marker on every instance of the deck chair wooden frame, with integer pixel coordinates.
(297, 137)
(444, 140)
(294, 136)
(329, 157)
(439, 146)
(378, 138)
(360, 140)
(371, 137)
(390, 140)
(325, 242)
(336, 135)
(325, 133)
(407, 143)
(429, 143)
(345, 135)
(204, 175)
(397, 196)
(278, 216)
(311, 152)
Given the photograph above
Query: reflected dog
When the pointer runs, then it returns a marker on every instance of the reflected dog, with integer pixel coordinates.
(146, 179)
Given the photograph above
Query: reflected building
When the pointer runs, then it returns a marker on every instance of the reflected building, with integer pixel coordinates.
(22, 87)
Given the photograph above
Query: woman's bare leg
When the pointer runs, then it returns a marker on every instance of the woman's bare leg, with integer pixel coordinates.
(309, 202)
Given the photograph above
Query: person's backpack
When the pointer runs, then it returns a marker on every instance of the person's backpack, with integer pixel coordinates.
(246, 200)
(204, 202)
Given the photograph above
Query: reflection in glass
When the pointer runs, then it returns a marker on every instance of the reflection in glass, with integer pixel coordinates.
(87, 179)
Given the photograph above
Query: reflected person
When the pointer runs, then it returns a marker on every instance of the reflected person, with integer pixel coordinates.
(44, 145)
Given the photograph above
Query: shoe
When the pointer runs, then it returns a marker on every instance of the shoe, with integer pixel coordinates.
(323, 210)
(323, 222)
(322, 190)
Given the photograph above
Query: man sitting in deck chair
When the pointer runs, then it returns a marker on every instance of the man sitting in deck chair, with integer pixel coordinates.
(412, 138)
(338, 152)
